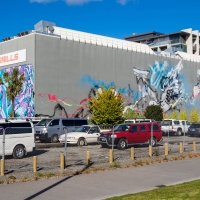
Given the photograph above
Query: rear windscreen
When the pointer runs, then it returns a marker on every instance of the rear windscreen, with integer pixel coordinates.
(195, 126)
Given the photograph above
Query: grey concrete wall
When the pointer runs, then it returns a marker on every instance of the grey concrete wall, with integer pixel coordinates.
(61, 65)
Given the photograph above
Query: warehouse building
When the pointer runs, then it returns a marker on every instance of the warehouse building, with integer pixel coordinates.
(63, 68)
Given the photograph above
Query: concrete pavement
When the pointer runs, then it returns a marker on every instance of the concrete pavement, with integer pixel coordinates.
(101, 185)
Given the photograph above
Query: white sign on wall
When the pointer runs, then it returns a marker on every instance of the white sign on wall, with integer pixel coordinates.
(13, 57)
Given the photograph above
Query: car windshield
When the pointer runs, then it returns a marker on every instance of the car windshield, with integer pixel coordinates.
(122, 127)
(43, 122)
(195, 126)
(83, 129)
(166, 123)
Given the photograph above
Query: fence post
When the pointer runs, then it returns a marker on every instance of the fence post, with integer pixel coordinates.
(34, 163)
(62, 161)
(166, 149)
(150, 151)
(111, 156)
(194, 146)
(87, 158)
(2, 167)
(132, 153)
(181, 147)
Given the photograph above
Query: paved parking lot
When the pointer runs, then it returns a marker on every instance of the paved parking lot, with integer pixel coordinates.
(49, 156)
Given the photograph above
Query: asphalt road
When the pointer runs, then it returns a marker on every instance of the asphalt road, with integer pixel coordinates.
(105, 184)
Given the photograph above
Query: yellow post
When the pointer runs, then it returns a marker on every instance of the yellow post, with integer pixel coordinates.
(194, 146)
(34, 163)
(87, 158)
(111, 156)
(62, 161)
(150, 150)
(166, 149)
(132, 153)
(181, 147)
(2, 167)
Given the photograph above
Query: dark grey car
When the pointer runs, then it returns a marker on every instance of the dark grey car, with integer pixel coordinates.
(194, 129)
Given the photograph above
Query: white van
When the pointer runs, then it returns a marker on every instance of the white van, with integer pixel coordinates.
(19, 137)
(133, 121)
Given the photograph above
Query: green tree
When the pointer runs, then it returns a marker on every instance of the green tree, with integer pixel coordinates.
(13, 82)
(130, 114)
(194, 116)
(183, 115)
(174, 115)
(154, 112)
(107, 108)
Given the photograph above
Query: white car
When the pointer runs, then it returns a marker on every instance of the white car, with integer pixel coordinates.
(82, 136)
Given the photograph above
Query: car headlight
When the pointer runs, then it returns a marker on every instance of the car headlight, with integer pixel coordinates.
(44, 131)
(113, 136)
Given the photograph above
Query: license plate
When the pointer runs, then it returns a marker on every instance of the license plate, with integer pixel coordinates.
(193, 129)
(37, 137)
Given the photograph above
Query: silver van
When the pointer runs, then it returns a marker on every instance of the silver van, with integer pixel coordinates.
(50, 129)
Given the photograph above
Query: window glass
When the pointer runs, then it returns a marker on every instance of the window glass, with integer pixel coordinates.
(142, 128)
(155, 127)
(166, 123)
(176, 122)
(66, 122)
(83, 129)
(43, 122)
(123, 127)
(54, 122)
(134, 129)
(195, 126)
(94, 130)
(80, 122)
(183, 122)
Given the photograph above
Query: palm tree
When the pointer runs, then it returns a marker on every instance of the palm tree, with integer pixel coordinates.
(14, 84)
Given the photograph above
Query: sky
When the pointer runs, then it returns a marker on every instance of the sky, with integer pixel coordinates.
(113, 18)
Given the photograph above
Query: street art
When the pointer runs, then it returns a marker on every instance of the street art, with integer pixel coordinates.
(24, 103)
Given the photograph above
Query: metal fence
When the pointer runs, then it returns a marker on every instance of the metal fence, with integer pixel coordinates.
(17, 141)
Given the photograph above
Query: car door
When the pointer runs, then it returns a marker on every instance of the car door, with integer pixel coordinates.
(53, 128)
(93, 134)
(143, 133)
(134, 135)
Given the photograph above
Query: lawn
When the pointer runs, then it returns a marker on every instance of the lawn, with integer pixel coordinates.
(189, 190)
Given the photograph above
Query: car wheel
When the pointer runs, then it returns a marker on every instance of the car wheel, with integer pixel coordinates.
(54, 138)
(122, 144)
(81, 142)
(152, 141)
(19, 152)
(179, 132)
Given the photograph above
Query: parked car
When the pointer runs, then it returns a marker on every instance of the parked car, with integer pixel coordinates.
(194, 129)
(19, 137)
(174, 126)
(133, 121)
(129, 134)
(51, 128)
(82, 136)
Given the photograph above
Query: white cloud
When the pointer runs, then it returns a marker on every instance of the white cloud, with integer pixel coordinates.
(79, 2)
(123, 2)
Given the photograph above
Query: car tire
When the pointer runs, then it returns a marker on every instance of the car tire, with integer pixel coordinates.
(179, 132)
(54, 138)
(81, 142)
(19, 152)
(122, 144)
(152, 141)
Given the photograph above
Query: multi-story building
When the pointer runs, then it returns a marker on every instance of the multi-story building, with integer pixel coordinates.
(184, 41)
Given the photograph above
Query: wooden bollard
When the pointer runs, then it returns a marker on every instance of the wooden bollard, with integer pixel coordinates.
(62, 161)
(194, 146)
(132, 153)
(87, 158)
(2, 167)
(166, 149)
(111, 156)
(150, 151)
(181, 147)
(34, 163)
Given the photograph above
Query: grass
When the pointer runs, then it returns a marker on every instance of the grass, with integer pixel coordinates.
(189, 190)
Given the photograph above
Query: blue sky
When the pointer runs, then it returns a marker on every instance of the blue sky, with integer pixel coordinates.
(114, 18)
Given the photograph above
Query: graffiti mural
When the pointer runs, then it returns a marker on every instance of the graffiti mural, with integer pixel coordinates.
(24, 103)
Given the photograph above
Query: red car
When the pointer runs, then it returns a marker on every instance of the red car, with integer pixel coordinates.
(129, 134)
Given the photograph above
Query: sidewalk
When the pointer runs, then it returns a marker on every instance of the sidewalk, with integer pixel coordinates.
(101, 185)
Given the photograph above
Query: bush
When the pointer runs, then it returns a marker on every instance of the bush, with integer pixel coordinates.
(154, 112)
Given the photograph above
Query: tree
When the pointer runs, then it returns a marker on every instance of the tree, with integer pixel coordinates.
(154, 112)
(106, 107)
(183, 115)
(13, 82)
(194, 116)
(174, 115)
(131, 114)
